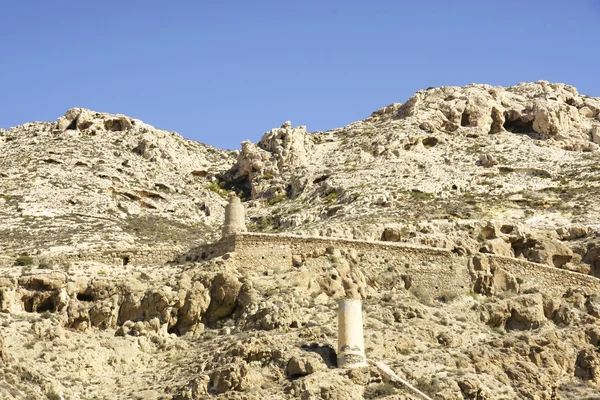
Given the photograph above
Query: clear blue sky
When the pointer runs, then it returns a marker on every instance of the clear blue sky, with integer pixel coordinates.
(224, 71)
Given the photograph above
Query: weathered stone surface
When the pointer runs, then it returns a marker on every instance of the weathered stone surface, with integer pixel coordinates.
(224, 291)
(107, 280)
(305, 365)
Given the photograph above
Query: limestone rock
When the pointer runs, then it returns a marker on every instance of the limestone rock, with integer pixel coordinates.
(229, 378)
(196, 303)
(521, 313)
(3, 353)
(497, 246)
(587, 366)
(301, 366)
(596, 134)
(487, 160)
(224, 291)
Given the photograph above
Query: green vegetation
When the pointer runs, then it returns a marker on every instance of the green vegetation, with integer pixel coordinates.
(332, 197)
(23, 261)
(52, 395)
(218, 188)
(278, 199)
(421, 195)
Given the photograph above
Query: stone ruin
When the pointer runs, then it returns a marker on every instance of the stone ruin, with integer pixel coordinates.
(235, 217)
(351, 347)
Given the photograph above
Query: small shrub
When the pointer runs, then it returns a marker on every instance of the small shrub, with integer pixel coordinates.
(52, 395)
(218, 188)
(447, 296)
(332, 197)
(421, 294)
(23, 261)
(277, 199)
(421, 195)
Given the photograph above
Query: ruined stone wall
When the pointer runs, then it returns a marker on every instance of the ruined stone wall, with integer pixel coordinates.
(113, 257)
(549, 279)
(431, 271)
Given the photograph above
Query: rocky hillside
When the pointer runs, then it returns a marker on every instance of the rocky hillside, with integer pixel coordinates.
(94, 180)
(477, 169)
(510, 171)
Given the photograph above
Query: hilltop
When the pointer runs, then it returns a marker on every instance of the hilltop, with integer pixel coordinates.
(100, 298)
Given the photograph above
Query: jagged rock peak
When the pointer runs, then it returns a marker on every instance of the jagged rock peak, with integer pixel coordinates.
(541, 109)
(82, 119)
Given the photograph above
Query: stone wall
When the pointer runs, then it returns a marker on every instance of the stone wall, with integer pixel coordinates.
(549, 279)
(137, 257)
(432, 271)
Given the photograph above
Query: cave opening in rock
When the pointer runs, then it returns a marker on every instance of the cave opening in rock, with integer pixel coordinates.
(46, 305)
(125, 260)
(73, 125)
(465, 119)
(518, 125)
(85, 297)
(430, 141)
(113, 125)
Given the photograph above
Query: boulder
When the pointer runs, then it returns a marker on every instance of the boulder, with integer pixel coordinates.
(195, 305)
(587, 366)
(305, 365)
(596, 134)
(224, 291)
(232, 377)
(497, 246)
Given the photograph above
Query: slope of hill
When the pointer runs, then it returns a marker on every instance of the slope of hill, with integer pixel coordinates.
(470, 170)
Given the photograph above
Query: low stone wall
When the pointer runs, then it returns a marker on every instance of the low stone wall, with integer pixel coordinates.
(138, 257)
(433, 271)
(549, 279)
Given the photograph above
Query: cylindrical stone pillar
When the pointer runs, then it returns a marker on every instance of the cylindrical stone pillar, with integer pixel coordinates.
(235, 219)
(351, 347)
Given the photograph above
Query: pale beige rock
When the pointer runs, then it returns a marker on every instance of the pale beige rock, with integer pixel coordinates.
(109, 201)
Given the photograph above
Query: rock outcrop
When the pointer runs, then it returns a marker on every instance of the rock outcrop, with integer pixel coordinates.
(104, 289)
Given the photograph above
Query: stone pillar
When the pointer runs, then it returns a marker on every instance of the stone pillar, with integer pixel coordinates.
(235, 219)
(351, 347)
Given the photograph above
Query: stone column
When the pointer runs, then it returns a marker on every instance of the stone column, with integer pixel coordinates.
(235, 219)
(351, 347)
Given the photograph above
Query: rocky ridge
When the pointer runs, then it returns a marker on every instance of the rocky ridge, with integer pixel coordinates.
(478, 169)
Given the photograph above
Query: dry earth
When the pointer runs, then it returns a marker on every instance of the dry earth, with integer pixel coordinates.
(477, 169)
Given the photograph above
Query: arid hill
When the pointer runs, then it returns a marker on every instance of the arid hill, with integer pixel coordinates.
(106, 293)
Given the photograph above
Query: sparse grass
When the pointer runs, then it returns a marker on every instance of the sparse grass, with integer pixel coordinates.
(421, 195)
(218, 188)
(23, 261)
(52, 395)
(422, 295)
(332, 197)
(144, 276)
(278, 199)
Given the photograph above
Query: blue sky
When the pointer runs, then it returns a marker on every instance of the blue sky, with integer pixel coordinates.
(224, 71)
